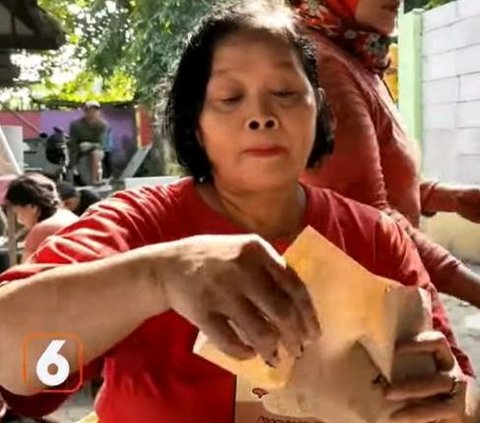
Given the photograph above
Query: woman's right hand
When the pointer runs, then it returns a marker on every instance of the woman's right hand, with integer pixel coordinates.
(241, 294)
(431, 398)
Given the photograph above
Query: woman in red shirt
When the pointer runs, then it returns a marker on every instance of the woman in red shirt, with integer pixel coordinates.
(375, 162)
(139, 274)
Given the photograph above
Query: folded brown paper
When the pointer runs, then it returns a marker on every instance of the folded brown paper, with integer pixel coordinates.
(339, 378)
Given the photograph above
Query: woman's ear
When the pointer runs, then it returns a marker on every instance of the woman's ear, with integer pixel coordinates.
(326, 123)
(322, 97)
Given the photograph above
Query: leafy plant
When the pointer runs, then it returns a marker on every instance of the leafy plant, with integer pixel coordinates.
(424, 4)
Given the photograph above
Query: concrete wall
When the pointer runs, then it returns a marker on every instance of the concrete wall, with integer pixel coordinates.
(451, 92)
(451, 114)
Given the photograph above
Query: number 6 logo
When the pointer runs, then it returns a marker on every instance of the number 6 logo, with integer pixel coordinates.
(52, 368)
(50, 357)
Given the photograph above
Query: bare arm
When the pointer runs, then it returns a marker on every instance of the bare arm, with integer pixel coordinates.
(209, 280)
(100, 302)
(33, 240)
(436, 197)
(440, 197)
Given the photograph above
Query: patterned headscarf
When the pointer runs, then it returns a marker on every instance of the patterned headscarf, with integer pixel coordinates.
(335, 20)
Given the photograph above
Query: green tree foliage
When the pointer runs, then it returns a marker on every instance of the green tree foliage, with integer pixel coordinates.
(424, 4)
(131, 45)
(128, 40)
(150, 42)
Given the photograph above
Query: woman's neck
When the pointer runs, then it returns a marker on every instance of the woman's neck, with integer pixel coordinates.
(273, 214)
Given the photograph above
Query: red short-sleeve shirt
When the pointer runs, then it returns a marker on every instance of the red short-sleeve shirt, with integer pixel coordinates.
(152, 375)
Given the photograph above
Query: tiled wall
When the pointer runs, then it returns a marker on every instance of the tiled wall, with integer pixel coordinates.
(451, 92)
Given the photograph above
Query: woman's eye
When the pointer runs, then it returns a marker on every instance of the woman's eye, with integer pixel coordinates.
(231, 100)
(285, 94)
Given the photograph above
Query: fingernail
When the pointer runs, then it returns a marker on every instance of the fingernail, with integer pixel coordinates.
(274, 361)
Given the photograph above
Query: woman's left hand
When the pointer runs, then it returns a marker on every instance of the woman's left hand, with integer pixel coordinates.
(431, 398)
(468, 203)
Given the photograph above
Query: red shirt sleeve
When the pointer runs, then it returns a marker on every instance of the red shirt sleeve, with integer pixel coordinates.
(441, 265)
(398, 259)
(126, 221)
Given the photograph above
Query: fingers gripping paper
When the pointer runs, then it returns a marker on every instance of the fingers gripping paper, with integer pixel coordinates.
(339, 378)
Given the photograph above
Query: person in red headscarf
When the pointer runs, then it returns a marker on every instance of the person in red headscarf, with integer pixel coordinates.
(374, 161)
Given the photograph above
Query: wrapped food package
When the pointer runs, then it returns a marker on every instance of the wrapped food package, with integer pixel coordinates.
(341, 377)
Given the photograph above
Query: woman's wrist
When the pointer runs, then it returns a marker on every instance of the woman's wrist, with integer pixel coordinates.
(151, 266)
(443, 198)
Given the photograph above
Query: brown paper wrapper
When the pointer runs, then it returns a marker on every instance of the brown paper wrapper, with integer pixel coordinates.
(339, 378)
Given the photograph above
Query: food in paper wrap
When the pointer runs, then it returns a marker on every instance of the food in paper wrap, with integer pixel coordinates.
(339, 378)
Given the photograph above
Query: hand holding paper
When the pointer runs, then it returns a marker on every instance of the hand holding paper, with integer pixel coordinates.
(362, 316)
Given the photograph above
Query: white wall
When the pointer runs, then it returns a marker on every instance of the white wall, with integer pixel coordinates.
(451, 92)
(451, 114)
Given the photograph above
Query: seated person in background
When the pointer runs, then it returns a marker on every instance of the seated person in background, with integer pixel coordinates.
(88, 138)
(36, 205)
(76, 200)
(142, 272)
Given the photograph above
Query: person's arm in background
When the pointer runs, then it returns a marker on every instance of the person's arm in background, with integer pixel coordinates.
(440, 197)
(449, 274)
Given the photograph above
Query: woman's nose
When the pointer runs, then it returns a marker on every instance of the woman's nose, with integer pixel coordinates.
(262, 123)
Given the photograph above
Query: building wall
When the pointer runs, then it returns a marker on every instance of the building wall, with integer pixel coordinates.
(451, 92)
(451, 114)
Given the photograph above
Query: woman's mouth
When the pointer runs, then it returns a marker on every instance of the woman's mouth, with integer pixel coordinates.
(267, 151)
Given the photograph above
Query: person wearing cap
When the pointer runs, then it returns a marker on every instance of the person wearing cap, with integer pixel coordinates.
(87, 139)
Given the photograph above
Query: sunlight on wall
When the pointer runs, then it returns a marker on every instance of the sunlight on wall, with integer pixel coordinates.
(458, 235)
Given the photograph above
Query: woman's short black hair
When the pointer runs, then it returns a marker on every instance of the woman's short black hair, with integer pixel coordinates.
(36, 190)
(66, 190)
(188, 90)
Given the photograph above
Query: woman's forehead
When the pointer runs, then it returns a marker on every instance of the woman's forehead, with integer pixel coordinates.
(247, 46)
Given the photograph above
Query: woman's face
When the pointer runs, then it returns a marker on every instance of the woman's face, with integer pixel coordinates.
(380, 15)
(259, 117)
(27, 215)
